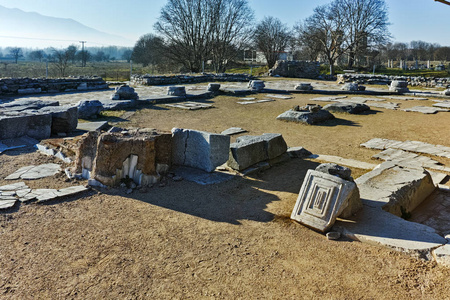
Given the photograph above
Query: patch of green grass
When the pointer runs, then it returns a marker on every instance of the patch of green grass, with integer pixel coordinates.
(246, 70)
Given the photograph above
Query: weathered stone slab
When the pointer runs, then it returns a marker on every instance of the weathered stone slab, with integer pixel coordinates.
(233, 131)
(118, 104)
(44, 195)
(190, 105)
(347, 107)
(377, 227)
(329, 98)
(124, 92)
(426, 109)
(16, 143)
(92, 126)
(14, 187)
(364, 99)
(442, 105)
(414, 146)
(395, 189)
(254, 102)
(386, 105)
(279, 97)
(303, 87)
(256, 85)
(199, 149)
(306, 117)
(6, 204)
(64, 118)
(298, 152)
(344, 161)
(408, 159)
(321, 199)
(35, 172)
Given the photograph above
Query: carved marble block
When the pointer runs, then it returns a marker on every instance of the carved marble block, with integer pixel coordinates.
(321, 199)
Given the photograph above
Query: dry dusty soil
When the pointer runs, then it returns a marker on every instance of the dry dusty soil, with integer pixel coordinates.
(232, 240)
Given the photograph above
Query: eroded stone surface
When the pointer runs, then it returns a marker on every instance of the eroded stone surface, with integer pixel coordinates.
(190, 105)
(426, 109)
(413, 146)
(306, 117)
(321, 199)
(233, 131)
(199, 149)
(35, 172)
(347, 107)
(395, 189)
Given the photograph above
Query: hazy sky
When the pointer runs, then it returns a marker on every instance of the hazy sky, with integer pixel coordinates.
(425, 20)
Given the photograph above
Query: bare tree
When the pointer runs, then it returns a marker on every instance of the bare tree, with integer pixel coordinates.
(271, 37)
(443, 54)
(307, 48)
(16, 53)
(232, 27)
(366, 24)
(61, 59)
(326, 27)
(197, 30)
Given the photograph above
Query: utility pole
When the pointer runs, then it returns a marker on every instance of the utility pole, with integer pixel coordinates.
(83, 57)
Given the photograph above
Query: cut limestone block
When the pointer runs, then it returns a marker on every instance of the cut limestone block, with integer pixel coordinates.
(88, 109)
(33, 124)
(321, 199)
(176, 91)
(426, 109)
(377, 227)
(249, 150)
(233, 131)
(199, 149)
(213, 87)
(395, 189)
(256, 85)
(347, 107)
(306, 117)
(64, 118)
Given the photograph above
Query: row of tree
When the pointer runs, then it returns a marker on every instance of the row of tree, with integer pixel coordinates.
(190, 32)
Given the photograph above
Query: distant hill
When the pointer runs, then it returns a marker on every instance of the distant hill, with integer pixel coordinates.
(36, 30)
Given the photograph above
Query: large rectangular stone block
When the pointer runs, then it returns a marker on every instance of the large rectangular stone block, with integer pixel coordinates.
(36, 125)
(199, 149)
(321, 199)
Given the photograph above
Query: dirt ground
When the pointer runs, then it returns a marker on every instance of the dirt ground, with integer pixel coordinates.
(232, 240)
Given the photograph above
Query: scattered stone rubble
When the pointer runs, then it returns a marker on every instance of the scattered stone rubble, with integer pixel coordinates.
(21, 86)
(124, 92)
(310, 114)
(185, 79)
(386, 80)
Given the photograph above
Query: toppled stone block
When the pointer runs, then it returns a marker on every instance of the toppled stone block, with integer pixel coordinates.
(354, 203)
(124, 92)
(199, 149)
(321, 199)
(33, 124)
(256, 85)
(351, 87)
(347, 107)
(399, 86)
(249, 150)
(213, 87)
(306, 117)
(176, 91)
(64, 118)
(304, 87)
(88, 109)
(397, 190)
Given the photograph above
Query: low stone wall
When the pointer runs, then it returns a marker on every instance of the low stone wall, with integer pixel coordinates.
(386, 80)
(21, 86)
(296, 69)
(182, 79)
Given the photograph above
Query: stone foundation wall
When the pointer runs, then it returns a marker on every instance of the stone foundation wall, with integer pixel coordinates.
(183, 79)
(296, 69)
(386, 80)
(21, 86)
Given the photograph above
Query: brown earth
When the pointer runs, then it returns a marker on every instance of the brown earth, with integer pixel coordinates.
(232, 240)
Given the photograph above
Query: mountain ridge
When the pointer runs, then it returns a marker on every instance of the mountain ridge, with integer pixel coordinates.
(19, 28)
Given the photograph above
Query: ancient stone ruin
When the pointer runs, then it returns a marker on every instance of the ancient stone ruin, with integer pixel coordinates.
(295, 69)
(310, 114)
